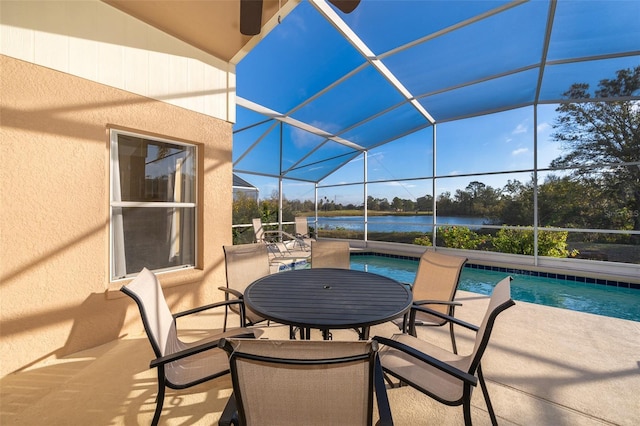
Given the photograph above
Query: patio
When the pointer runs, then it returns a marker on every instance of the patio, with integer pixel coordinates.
(543, 366)
(76, 354)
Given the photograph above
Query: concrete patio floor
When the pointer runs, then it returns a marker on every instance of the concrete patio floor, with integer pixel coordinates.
(544, 366)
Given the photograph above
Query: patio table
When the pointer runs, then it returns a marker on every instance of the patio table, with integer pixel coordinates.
(326, 298)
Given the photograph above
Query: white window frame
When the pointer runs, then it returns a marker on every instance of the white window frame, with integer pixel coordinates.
(116, 233)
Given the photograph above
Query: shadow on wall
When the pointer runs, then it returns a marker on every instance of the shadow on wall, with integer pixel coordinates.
(95, 321)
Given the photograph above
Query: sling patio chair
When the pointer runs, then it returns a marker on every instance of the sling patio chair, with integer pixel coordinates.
(302, 233)
(434, 287)
(293, 382)
(271, 238)
(179, 365)
(439, 373)
(244, 263)
(330, 254)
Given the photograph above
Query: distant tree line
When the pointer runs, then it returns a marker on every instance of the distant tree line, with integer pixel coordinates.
(563, 201)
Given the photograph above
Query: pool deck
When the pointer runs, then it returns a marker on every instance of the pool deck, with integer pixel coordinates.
(544, 366)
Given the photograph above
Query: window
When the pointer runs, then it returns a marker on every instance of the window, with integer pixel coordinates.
(153, 204)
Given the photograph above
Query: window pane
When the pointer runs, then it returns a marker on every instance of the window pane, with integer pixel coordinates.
(155, 171)
(158, 238)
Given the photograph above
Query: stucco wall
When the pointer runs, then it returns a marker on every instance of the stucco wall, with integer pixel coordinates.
(93, 40)
(54, 208)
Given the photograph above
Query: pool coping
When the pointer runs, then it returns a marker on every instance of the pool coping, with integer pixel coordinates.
(518, 271)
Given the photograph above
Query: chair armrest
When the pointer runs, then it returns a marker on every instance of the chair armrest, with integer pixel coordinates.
(280, 234)
(272, 234)
(445, 317)
(436, 302)
(228, 291)
(243, 333)
(440, 365)
(205, 307)
(288, 235)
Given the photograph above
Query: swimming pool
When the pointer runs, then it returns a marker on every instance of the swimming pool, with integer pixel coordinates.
(578, 296)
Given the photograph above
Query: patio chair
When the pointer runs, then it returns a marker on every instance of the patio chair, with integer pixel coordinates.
(179, 365)
(291, 382)
(330, 254)
(244, 263)
(302, 233)
(438, 373)
(434, 287)
(271, 238)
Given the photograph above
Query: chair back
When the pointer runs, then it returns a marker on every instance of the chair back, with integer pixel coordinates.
(302, 227)
(330, 254)
(500, 300)
(245, 263)
(292, 382)
(157, 319)
(437, 278)
(258, 230)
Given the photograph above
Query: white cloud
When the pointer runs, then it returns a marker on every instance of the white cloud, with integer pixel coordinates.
(520, 128)
(520, 151)
(543, 127)
(402, 184)
(302, 138)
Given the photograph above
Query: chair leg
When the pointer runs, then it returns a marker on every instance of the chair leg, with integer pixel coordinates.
(487, 400)
(159, 396)
(467, 413)
(405, 320)
(364, 335)
(466, 405)
(224, 327)
(411, 326)
(305, 333)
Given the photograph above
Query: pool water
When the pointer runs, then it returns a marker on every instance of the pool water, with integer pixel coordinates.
(583, 297)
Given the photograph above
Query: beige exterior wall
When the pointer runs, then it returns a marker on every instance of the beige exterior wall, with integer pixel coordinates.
(93, 40)
(55, 294)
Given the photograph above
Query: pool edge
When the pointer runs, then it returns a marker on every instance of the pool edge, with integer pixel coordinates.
(520, 271)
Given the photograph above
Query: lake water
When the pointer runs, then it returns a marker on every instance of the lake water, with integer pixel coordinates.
(392, 223)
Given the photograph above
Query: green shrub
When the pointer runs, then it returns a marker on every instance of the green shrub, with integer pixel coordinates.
(461, 237)
(424, 240)
(520, 241)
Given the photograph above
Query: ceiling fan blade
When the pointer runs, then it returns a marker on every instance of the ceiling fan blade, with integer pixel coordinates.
(345, 6)
(250, 17)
